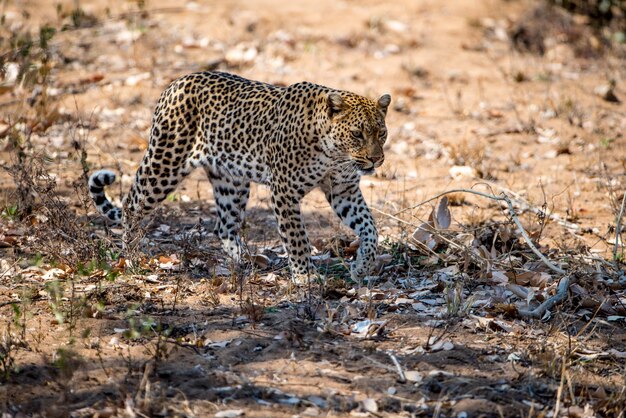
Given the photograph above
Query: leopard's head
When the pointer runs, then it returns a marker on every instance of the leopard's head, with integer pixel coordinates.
(357, 130)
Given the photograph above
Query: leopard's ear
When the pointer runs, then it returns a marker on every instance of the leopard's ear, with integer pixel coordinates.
(335, 104)
(383, 102)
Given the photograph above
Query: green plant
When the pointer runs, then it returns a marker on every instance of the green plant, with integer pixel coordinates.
(20, 314)
(7, 351)
(606, 142)
(10, 212)
(37, 260)
(455, 305)
(55, 293)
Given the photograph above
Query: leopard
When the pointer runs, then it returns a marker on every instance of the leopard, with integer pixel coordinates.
(292, 138)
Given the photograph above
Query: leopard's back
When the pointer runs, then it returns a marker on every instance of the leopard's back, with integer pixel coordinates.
(220, 120)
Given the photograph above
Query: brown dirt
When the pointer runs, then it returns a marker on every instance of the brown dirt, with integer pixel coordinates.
(206, 336)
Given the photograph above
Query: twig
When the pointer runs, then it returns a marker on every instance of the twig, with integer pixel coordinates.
(618, 227)
(539, 311)
(559, 392)
(527, 238)
(519, 291)
(401, 376)
(184, 345)
(525, 205)
(145, 382)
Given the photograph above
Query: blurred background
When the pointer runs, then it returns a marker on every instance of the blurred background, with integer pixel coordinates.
(523, 97)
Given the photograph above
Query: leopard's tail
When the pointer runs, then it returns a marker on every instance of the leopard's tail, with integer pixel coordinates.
(97, 182)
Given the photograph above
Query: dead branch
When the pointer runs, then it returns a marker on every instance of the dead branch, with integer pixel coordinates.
(540, 310)
(519, 291)
(527, 238)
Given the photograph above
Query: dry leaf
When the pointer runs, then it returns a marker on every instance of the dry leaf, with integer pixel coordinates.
(499, 278)
(260, 261)
(370, 405)
(217, 344)
(403, 301)
(230, 413)
(443, 218)
(531, 278)
(367, 328)
(424, 236)
(442, 345)
(413, 376)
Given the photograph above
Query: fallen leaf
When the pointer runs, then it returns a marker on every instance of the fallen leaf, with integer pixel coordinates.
(413, 376)
(499, 277)
(54, 274)
(367, 328)
(217, 344)
(531, 278)
(259, 260)
(229, 413)
(419, 306)
(370, 405)
(403, 301)
(451, 271)
(442, 345)
(424, 236)
(443, 218)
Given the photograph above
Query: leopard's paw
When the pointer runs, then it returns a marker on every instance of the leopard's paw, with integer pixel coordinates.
(359, 270)
(300, 279)
(234, 249)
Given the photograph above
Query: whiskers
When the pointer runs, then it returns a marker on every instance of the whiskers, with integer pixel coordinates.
(346, 168)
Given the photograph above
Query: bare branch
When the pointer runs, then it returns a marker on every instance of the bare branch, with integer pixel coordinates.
(540, 310)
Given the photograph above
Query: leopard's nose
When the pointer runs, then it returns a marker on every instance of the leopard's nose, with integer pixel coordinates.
(377, 160)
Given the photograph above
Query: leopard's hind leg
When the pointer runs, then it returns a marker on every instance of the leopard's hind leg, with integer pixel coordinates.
(171, 156)
(231, 197)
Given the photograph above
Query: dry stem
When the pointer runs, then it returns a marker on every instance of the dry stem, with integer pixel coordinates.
(401, 376)
(618, 228)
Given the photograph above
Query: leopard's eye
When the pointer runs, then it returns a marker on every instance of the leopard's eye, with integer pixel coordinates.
(382, 133)
(357, 134)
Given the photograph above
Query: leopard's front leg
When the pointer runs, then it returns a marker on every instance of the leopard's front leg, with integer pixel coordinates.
(291, 228)
(347, 201)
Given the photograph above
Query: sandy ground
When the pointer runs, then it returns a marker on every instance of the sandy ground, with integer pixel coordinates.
(468, 111)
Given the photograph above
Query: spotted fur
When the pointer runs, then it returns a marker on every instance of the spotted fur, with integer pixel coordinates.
(291, 138)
